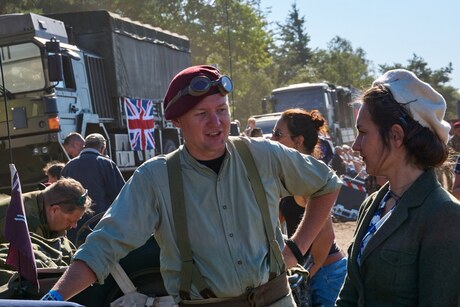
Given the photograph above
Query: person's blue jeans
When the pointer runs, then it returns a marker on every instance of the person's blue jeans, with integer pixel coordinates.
(327, 282)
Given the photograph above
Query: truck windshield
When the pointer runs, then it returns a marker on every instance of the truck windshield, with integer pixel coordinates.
(308, 98)
(22, 68)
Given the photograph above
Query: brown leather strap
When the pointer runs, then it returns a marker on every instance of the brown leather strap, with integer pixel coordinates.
(264, 295)
(334, 257)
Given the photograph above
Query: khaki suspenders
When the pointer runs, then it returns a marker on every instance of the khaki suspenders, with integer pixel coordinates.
(259, 193)
(189, 271)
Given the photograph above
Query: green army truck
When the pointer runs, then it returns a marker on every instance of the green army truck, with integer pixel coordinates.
(86, 72)
(77, 72)
(338, 105)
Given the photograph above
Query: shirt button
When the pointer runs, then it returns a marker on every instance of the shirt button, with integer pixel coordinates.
(225, 207)
(231, 235)
(239, 262)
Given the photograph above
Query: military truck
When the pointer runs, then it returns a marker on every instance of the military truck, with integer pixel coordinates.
(86, 72)
(77, 72)
(335, 103)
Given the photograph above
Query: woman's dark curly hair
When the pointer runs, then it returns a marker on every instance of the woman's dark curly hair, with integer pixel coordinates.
(424, 148)
(307, 124)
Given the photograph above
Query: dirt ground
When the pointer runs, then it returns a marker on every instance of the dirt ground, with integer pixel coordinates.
(344, 233)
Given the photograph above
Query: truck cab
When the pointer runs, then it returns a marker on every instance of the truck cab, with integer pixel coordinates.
(31, 122)
(333, 102)
(76, 72)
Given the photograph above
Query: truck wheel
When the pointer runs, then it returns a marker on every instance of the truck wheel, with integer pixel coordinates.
(169, 146)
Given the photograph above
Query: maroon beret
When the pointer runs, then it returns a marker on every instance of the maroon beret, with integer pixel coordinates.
(181, 81)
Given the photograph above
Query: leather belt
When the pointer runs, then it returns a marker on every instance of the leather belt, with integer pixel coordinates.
(264, 295)
(334, 258)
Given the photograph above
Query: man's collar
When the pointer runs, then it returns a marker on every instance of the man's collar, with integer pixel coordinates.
(91, 150)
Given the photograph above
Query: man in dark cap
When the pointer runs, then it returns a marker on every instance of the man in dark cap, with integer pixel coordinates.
(97, 173)
(218, 247)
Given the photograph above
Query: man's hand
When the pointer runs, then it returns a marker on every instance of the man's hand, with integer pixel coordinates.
(75, 279)
(289, 258)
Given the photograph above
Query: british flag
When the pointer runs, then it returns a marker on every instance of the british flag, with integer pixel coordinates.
(140, 121)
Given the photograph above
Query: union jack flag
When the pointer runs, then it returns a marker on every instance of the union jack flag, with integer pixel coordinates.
(140, 121)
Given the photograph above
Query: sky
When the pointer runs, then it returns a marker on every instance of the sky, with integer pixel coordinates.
(388, 31)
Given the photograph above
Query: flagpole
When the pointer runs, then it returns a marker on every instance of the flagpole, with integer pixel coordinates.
(232, 102)
(5, 101)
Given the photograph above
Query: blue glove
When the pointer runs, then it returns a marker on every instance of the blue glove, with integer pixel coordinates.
(52, 295)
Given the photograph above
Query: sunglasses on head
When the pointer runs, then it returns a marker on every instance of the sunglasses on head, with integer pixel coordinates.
(80, 202)
(276, 134)
(200, 85)
(82, 199)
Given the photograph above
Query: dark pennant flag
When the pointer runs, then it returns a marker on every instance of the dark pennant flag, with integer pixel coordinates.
(20, 254)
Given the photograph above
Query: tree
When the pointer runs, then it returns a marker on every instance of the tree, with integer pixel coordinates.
(341, 64)
(220, 32)
(18, 6)
(438, 79)
(213, 27)
(218, 27)
(293, 52)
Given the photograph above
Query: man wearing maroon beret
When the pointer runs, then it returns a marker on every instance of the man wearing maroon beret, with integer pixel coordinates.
(236, 247)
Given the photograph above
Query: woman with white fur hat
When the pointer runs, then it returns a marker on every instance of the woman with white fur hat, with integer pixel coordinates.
(406, 246)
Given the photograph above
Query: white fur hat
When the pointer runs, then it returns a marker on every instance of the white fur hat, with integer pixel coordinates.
(423, 103)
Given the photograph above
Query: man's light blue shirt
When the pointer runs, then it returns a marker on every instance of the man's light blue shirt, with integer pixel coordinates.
(224, 222)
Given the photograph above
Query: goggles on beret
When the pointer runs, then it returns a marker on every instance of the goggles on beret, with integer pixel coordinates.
(200, 85)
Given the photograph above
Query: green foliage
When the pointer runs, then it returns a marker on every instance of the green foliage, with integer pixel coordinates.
(341, 64)
(295, 62)
(19, 6)
(438, 79)
(293, 53)
(234, 35)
